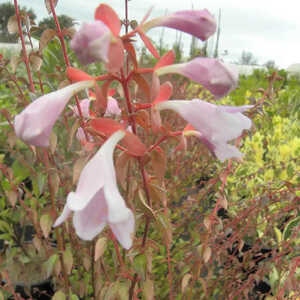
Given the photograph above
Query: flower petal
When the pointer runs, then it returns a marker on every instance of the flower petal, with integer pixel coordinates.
(91, 220)
(214, 125)
(124, 230)
(34, 124)
(112, 107)
(63, 217)
(91, 42)
(199, 23)
(85, 108)
(95, 174)
(214, 75)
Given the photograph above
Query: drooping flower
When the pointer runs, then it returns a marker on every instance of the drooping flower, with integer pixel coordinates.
(91, 42)
(97, 200)
(34, 124)
(199, 23)
(214, 125)
(214, 75)
(99, 40)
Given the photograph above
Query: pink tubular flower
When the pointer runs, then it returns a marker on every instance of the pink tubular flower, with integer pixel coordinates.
(214, 75)
(91, 42)
(112, 107)
(214, 125)
(85, 108)
(199, 23)
(97, 200)
(34, 124)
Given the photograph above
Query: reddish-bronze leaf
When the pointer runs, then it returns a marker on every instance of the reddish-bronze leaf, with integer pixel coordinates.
(166, 60)
(155, 86)
(148, 43)
(75, 75)
(142, 84)
(122, 168)
(101, 99)
(48, 6)
(132, 54)
(165, 92)
(47, 35)
(115, 55)
(131, 142)
(100, 248)
(35, 61)
(159, 163)
(109, 17)
(142, 118)
(12, 25)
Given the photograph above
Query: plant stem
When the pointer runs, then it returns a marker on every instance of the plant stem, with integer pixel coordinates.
(66, 58)
(26, 60)
(60, 34)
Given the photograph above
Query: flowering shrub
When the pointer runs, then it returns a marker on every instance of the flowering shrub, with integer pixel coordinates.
(125, 167)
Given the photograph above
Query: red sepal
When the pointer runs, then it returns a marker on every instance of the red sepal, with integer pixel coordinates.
(75, 75)
(165, 92)
(166, 60)
(109, 17)
(148, 44)
(108, 126)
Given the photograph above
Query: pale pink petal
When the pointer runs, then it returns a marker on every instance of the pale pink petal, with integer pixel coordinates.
(225, 151)
(97, 200)
(124, 230)
(91, 220)
(213, 74)
(216, 125)
(199, 23)
(91, 42)
(34, 124)
(63, 217)
(112, 107)
(116, 207)
(85, 108)
(95, 174)
(80, 135)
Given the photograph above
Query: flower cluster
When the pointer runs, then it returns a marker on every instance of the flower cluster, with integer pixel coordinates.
(97, 200)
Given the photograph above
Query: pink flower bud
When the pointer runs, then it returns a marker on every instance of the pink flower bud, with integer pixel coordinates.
(214, 75)
(199, 23)
(91, 42)
(97, 200)
(34, 124)
(112, 107)
(214, 125)
(85, 108)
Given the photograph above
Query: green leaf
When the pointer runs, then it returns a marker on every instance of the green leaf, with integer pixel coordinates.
(140, 265)
(20, 171)
(68, 260)
(289, 227)
(59, 295)
(46, 223)
(49, 264)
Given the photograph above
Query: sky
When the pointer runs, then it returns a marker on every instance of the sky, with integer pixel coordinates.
(270, 29)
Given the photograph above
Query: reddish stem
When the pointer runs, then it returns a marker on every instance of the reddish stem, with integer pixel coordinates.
(60, 34)
(117, 250)
(26, 60)
(63, 46)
